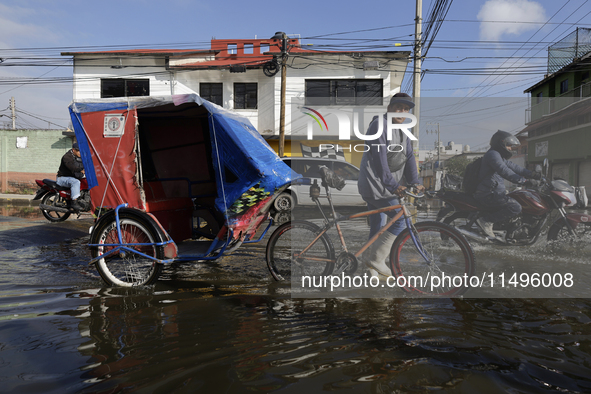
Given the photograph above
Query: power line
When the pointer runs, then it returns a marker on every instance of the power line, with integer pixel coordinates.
(494, 73)
(518, 22)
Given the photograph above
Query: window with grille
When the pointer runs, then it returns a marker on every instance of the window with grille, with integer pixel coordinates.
(124, 87)
(212, 92)
(245, 95)
(344, 91)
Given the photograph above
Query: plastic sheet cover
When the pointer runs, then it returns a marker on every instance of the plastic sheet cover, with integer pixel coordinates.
(236, 146)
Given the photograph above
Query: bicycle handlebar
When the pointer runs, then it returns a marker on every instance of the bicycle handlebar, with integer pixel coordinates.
(414, 195)
(411, 194)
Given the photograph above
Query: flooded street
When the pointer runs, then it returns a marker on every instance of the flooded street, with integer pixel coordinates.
(227, 327)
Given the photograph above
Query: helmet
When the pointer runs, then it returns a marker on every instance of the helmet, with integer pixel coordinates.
(501, 140)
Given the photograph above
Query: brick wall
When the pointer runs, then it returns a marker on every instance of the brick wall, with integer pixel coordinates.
(37, 157)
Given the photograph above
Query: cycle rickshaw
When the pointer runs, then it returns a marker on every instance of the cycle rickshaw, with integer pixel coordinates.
(172, 178)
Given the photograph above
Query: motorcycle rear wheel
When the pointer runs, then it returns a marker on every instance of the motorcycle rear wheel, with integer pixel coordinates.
(55, 200)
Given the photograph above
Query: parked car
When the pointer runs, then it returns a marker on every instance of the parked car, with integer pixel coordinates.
(309, 168)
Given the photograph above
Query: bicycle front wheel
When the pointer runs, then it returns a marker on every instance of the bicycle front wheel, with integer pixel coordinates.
(284, 251)
(440, 264)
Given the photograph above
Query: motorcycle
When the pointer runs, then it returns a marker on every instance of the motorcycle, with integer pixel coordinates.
(56, 203)
(461, 210)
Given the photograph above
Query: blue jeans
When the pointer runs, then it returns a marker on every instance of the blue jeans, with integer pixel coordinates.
(378, 220)
(72, 183)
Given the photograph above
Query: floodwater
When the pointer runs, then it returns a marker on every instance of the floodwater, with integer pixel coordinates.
(226, 327)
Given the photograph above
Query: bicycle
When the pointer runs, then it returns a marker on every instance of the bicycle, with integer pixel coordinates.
(421, 252)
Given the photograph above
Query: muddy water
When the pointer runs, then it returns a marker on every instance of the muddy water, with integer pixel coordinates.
(227, 327)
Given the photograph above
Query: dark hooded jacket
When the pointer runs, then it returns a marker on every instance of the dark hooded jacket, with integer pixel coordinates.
(494, 169)
(381, 172)
(71, 166)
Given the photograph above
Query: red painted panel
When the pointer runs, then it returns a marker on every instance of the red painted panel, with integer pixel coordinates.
(114, 161)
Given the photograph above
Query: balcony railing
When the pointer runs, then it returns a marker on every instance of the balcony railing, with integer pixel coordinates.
(550, 105)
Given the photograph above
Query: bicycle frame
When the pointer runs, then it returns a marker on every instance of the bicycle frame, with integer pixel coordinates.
(329, 223)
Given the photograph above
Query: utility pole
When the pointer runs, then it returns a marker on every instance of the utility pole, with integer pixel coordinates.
(439, 170)
(283, 37)
(13, 108)
(438, 141)
(282, 113)
(416, 86)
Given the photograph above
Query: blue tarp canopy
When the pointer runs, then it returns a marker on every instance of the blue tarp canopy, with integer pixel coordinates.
(236, 145)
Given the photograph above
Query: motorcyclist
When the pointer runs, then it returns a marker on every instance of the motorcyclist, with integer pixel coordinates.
(490, 192)
(70, 172)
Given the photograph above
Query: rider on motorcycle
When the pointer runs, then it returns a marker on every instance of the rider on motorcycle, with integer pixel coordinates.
(490, 193)
(70, 172)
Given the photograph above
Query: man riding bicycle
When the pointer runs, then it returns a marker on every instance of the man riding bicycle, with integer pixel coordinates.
(382, 179)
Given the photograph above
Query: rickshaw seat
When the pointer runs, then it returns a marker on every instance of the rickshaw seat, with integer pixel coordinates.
(175, 214)
(156, 199)
(169, 205)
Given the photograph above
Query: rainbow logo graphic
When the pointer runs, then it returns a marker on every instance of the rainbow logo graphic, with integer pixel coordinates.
(315, 118)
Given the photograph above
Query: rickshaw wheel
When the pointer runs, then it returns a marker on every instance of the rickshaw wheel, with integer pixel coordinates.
(128, 269)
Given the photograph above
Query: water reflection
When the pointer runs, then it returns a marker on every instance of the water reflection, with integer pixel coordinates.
(225, 326)
(21, 212)
(168, 340)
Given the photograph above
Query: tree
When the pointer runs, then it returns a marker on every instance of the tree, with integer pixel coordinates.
(457, 165)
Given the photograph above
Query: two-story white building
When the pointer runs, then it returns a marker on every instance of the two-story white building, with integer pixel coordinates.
(244, 76)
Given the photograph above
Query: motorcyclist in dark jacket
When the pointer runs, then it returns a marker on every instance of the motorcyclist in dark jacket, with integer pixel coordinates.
(70, 172)
(491, 193)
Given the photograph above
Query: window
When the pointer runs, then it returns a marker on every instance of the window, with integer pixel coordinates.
(264, 48)
(344, 91)
(307, 168)
(564, 86)
(346, 170)
(124, 87)
(539, 97)
(245, 96)
(232, 49)
(212, 92)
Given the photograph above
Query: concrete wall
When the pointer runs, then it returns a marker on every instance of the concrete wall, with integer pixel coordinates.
(37, 156)
(90, 69)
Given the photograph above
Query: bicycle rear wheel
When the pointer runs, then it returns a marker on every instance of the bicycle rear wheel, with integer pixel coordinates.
(443, 268)
(289, 240)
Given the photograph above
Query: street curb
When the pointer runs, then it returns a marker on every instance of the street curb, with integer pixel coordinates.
(24, 201)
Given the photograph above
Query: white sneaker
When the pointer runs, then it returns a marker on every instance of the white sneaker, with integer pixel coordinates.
(487, 227)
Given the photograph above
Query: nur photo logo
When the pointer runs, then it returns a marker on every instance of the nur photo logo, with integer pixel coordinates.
(349, 121)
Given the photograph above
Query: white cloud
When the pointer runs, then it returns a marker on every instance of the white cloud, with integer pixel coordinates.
(32, 27)
(509, 10)
(19, 27)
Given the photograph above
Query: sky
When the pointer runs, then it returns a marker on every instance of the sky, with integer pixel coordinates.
(486, 51)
